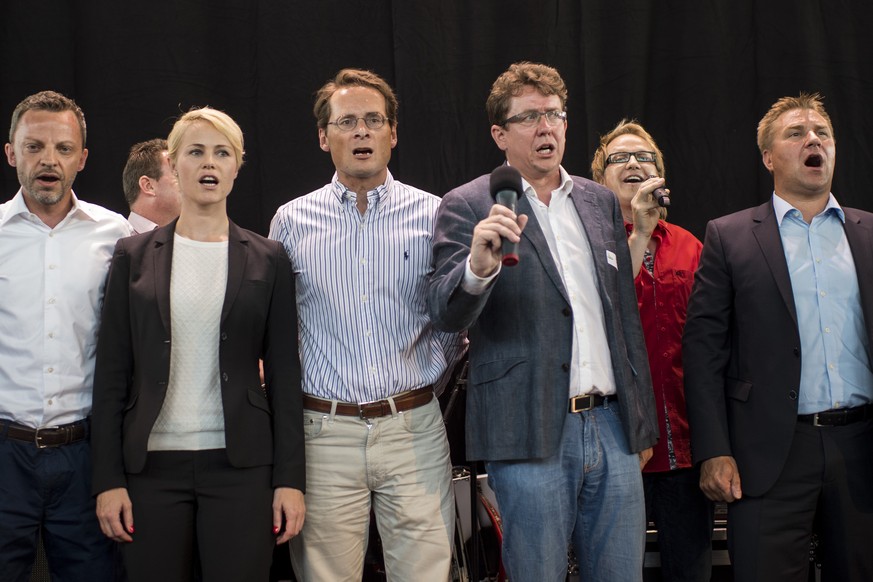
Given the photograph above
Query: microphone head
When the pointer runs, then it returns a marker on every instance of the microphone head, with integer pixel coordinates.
(505, 178)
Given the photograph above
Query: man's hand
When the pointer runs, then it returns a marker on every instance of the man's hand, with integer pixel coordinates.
(645, 456)
(485, 252)
(288, 503)
(115, 514)
(720, 479)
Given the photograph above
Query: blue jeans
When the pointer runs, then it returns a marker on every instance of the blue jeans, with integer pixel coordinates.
(683, 516)
(589, 493)
(50, 489)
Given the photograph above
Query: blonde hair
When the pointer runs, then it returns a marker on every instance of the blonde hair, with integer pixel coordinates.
(624, 127)
(766, 127)
(220, 120)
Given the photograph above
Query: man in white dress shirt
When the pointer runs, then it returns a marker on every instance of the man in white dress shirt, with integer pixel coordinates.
(54, 254)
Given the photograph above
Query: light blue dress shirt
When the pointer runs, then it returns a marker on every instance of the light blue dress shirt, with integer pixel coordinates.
(835, 368)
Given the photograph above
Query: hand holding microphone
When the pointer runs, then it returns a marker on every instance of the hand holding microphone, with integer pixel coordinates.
(506, 188)
(661, 195)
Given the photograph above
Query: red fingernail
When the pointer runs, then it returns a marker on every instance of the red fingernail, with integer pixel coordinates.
(275, 530)
(130, 529)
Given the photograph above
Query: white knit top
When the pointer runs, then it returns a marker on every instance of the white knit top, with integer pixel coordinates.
(192, 417)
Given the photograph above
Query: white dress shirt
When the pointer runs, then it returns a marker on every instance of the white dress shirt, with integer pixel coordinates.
(140, 223)
(51, 292)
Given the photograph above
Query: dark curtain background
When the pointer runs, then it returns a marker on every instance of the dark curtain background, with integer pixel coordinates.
(698, 74)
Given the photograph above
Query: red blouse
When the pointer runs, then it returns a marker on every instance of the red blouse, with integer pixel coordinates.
(663, 300)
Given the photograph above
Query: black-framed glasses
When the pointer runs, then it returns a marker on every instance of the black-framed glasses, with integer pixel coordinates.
(531, 118)
(624, 157)
(350, 122)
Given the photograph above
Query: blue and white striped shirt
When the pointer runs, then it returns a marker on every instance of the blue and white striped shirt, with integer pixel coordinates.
(365, 332)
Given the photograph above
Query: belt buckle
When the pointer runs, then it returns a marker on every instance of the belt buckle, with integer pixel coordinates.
(37, 437)
(361, 406)
(587, 398)
(815, 420)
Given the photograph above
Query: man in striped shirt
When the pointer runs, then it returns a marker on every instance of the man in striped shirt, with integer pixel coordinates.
(360, 248)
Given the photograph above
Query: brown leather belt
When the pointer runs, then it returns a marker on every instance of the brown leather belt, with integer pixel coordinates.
(588, 401)
(375, 409)
(838, 416)
(51, 436)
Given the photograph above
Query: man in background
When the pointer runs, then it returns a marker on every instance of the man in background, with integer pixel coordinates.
(150, 188)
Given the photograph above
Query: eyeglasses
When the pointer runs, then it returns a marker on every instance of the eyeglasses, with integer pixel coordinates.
(531, 118)
(624, 157)
(350, 122)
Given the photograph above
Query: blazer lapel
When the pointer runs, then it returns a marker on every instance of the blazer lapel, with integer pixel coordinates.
(534, 233)
(237, 253)
(766, 232)
(860, 240)
(163, 266)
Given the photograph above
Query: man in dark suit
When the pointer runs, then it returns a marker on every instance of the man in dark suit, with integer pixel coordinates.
(560, 401)
(777, 363)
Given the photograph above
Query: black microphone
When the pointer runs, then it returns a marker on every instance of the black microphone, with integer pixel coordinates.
(506, 188)
(661, 195)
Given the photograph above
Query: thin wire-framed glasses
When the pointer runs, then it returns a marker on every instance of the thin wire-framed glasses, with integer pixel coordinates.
(350, 122)
(624, 157)
(531, 118)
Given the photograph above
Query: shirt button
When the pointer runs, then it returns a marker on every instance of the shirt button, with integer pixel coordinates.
(51, 335)
(822, 293)
(52, 267)
(363, 297)
(827, 330)
(50, 402)
(792, 395)
(363, 261)
(50, 370)
(51, 301)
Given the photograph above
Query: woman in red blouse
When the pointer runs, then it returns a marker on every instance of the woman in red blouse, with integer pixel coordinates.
(664, 260)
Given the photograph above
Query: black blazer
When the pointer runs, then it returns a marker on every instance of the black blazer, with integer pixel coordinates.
(741, 348)
(258, 320)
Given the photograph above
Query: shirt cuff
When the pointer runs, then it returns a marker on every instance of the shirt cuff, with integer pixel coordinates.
(473, 283)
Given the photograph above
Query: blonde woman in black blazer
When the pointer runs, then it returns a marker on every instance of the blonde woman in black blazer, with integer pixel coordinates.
(192, 454)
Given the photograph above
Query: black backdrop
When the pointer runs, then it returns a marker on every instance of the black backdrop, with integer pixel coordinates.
(698, 73)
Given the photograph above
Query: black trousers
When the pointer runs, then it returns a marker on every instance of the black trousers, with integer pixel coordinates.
(827, 481)
(193, 507)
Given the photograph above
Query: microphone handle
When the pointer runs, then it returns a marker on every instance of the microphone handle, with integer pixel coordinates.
(508, 198)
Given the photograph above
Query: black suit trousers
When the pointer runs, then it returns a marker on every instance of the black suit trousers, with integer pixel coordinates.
(825, 486)
(193, 506)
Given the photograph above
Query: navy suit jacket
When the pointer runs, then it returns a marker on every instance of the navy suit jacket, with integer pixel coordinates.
(521, 328)
(258, 320)
(741, 348)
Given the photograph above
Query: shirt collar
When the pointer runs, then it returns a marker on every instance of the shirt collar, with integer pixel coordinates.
(17, 207)
(561, 191)
(377, 194)
(782, 207)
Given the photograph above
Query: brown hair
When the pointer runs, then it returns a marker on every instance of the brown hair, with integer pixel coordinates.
(144, 159)
(512, 82)
(47, 101)
(353, 78)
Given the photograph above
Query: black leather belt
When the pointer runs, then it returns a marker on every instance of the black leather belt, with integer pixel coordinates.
(588, 401)
(838, 416)
(375, 409)
(51, 436)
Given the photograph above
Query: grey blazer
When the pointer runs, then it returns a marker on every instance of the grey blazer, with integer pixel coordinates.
(741, 348)
(520, 329)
